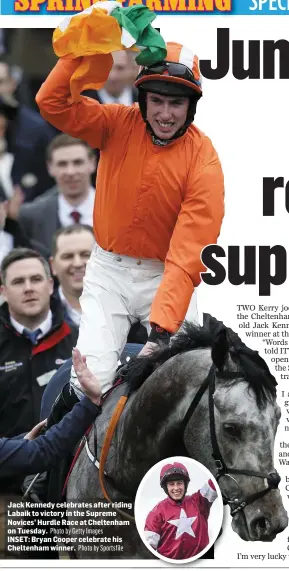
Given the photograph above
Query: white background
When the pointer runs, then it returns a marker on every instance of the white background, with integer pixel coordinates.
(248, 123)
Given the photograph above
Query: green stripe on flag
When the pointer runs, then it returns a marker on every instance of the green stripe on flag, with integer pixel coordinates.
(137, 21)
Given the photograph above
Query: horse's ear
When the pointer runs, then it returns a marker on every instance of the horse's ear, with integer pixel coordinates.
(220, 348)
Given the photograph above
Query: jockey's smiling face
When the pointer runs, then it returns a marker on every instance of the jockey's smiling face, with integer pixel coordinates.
(166, 114)
(176, 489)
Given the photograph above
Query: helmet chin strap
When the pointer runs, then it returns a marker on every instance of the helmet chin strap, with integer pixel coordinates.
(156, 140)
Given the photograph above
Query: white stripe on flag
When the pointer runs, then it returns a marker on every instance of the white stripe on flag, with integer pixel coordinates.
(108, 5)
(65, 23)
(187, 57)
(127, 39)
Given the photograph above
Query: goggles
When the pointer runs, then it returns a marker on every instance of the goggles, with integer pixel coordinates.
(171, 69)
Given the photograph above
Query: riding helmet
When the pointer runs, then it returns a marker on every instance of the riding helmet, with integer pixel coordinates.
(178, 75)
(175, 471)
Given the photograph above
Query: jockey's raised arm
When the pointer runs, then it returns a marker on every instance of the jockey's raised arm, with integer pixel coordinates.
(85, 119)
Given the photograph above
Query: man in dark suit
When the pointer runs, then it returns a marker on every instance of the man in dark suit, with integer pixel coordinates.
(28, 137)
(71, 163)
(11, 233)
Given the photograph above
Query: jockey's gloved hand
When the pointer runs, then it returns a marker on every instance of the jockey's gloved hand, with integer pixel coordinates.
(159, 334)
(122, 370)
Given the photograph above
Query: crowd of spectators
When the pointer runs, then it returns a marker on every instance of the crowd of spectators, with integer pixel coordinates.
(47, 190)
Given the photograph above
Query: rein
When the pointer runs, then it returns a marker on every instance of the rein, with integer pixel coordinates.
(105, 448)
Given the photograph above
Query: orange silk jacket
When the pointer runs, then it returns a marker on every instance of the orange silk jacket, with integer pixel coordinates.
(165, 203)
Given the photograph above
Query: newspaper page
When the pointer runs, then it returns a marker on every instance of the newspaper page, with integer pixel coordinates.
(243, 51)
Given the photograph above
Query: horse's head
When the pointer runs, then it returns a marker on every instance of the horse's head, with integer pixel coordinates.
(245, 419)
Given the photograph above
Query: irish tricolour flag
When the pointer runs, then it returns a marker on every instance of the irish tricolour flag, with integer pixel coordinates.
(98, 31)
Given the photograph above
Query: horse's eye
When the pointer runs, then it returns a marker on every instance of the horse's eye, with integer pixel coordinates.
(232, 429)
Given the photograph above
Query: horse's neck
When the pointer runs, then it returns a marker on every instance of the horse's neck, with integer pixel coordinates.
(150, 429)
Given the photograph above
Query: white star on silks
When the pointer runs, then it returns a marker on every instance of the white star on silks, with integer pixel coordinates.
(184, 524)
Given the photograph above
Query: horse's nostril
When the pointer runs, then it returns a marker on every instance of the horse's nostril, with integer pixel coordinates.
(261, 526)
(261, 522)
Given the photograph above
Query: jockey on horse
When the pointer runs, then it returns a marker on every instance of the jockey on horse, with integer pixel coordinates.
(159, 202)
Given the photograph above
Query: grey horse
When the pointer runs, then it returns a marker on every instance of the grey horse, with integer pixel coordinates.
(208, 397)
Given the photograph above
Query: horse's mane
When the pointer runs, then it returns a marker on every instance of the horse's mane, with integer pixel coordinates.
(254, 369)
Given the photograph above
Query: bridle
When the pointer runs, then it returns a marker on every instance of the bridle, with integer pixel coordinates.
(273, 479)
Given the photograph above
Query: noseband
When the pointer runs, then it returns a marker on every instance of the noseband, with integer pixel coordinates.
(273, 479)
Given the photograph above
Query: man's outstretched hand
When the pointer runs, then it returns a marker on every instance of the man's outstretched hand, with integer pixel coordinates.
(89, 383)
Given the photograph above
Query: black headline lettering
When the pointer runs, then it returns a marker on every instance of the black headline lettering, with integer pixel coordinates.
(268, 256)
(250, 66)
(270, 184)
(271, 261)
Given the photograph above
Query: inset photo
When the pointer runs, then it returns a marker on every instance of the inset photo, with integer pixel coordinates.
(178, 510)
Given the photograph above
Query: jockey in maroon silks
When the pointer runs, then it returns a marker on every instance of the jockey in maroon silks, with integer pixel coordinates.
(177, 527)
